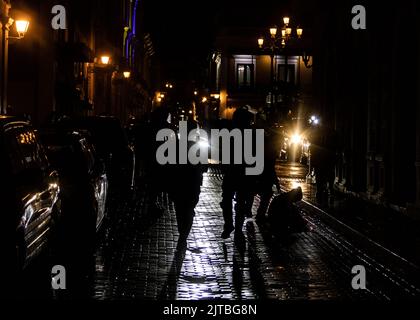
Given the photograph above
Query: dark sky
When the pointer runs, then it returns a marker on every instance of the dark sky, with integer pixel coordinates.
(183, 31)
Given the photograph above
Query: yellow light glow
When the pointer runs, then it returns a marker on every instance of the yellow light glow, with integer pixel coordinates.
(299, 32)
(159, 99)
(261, 42)
(190, 112)
(296, 139)
(127, 74)
(195, 93)
(273, 31)
(283, 33)
(286, 20)
(22, 27)
(288, 31)
(105, 59)
(204, 99)
(162, 96)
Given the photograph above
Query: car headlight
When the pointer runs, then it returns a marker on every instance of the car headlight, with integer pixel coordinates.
(296, 139)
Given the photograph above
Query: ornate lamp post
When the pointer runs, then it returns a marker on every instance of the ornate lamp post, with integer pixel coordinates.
(275, 44)
(21, 28)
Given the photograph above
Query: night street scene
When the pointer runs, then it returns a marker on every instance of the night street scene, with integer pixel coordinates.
(210, 157)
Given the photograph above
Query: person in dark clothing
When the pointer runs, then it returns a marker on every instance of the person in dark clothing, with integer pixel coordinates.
(235, 182)
(268, 178)
(155, 175)
(185, 189)
(323, 149)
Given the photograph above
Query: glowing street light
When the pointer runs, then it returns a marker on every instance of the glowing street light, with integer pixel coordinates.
(275, 42)
(127, 74)
(22, 27)
(105, 59)
(273, 32)
(299, 32)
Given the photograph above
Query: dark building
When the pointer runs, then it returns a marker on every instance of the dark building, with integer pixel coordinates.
(366, 83)
(61, 71)
(242, 74)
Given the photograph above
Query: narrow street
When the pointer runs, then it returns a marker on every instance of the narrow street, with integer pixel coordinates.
(136, 259)
(110, 114)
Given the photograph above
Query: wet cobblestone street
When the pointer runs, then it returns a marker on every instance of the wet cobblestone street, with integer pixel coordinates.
(136, 258)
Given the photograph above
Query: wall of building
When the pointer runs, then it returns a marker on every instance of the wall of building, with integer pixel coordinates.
(365, 84)
(42, 78)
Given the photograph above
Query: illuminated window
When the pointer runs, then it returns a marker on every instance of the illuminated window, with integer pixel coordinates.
(245, 75)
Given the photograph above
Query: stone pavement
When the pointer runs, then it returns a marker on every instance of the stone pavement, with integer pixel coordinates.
(136, 258)
(391, 229)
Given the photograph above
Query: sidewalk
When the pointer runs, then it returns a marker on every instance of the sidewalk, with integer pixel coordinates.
(389, 228)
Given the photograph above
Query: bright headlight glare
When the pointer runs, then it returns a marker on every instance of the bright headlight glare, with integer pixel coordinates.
(296, 139)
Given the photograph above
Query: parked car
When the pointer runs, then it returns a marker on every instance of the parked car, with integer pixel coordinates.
(29, 194)
(112, 145)
(84, 183)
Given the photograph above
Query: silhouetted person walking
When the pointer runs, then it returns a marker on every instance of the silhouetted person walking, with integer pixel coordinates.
(155, 175)
(235, 182)
(186, 181)
(323, 150)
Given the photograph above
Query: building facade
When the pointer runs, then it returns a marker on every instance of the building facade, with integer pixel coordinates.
(366, 83)
(61, 71)
(243, 74)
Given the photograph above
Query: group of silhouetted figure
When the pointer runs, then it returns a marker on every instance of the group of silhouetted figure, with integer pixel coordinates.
(182, 183)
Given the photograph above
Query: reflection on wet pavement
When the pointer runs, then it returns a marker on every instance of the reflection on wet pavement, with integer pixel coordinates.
(136, 257)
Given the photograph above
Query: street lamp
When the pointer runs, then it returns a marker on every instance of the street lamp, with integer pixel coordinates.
(273, 32)
(127, 74)
(105, 60)
(275, 44)
(22, 27)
